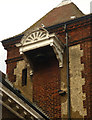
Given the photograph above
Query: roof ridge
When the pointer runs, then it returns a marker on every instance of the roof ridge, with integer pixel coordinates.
(64, 2)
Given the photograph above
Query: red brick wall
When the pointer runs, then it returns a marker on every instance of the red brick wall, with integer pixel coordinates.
(13, 52)
(10, 71)
(46, 83)
(87, 74)
(13, 56)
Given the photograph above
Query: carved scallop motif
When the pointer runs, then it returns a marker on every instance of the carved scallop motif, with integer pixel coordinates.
(35, 36)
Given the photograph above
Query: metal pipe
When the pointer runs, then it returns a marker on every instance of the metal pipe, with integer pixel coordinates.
(68, 77)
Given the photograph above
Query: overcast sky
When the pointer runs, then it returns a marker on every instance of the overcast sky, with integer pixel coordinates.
(18, 15)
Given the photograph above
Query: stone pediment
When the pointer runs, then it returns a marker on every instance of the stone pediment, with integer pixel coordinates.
(35, 36)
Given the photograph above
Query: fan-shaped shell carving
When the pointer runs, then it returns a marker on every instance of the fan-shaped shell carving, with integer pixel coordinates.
(35, 36)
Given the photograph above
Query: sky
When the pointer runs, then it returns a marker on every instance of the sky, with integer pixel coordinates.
(18, 15)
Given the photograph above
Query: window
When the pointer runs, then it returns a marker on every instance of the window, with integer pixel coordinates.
(24, 77)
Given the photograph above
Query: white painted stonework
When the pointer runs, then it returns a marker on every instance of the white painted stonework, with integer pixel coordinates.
(41, 38)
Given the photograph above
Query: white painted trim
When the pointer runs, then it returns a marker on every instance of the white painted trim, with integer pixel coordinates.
(34, 43)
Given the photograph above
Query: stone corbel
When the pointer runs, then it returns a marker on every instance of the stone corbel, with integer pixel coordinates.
(58, 50)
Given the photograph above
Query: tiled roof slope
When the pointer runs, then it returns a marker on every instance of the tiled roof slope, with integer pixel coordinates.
(58, 15)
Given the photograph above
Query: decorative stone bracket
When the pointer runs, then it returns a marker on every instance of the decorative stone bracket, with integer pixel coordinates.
(41, 38)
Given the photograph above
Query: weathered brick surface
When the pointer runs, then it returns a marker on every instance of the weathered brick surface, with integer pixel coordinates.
(13, 56)
(10, 71)
(46, 80)
(13, 52)
(87, 74)
(46, 83)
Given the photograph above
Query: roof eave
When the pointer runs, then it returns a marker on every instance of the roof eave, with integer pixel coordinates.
(20, 96)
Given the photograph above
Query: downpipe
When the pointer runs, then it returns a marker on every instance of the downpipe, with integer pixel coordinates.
(68, 77)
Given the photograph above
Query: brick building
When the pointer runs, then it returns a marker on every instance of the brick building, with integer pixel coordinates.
(51, 62)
